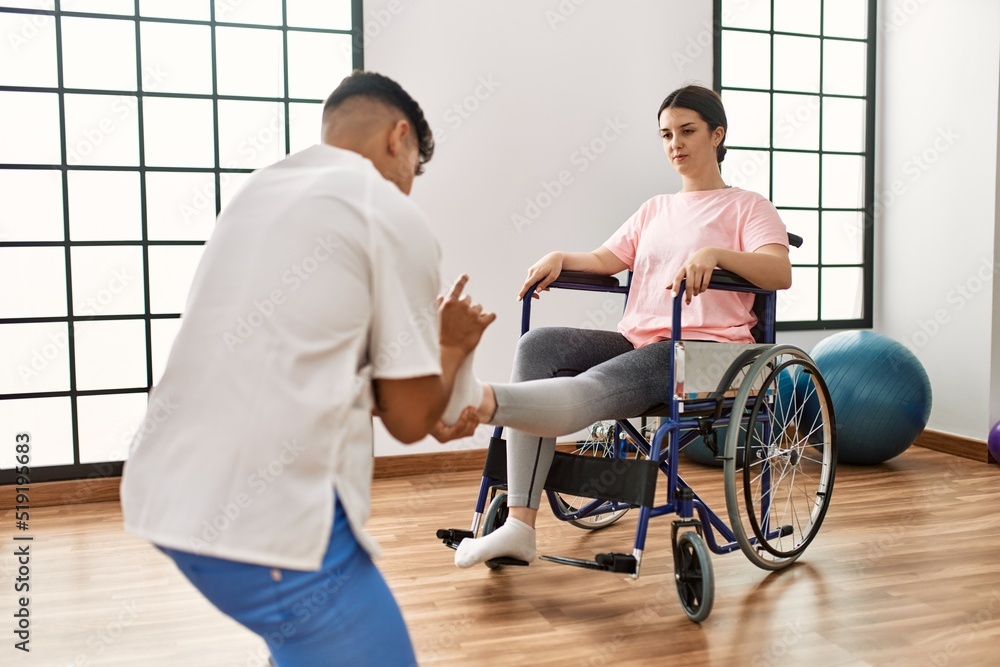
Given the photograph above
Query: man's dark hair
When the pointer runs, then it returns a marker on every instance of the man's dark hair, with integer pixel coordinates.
(707, 103)
(383, 89)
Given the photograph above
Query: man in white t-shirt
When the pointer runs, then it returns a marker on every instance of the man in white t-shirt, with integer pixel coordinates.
(315, 305)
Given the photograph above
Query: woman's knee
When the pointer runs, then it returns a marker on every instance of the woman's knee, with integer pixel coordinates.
(535, 352)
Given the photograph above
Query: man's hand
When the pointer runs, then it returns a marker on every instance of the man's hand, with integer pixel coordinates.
(464, 427)
(462, 322)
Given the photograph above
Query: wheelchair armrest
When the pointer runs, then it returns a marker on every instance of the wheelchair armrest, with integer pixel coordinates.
(571, 278)
(722, 278)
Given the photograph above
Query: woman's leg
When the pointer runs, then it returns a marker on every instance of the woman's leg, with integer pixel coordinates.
(544, 354)
(609, 380)
(342, 614)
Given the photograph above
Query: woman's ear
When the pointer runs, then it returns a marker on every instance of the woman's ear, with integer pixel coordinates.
(719, 135)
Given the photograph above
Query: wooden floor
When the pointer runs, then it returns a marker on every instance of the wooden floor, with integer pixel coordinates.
(906, 571)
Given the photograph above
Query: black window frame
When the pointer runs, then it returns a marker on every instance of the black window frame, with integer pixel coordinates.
(77, 470)
(868, 214)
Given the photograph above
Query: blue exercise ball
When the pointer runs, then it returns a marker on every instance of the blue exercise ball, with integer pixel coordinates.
(881, 395)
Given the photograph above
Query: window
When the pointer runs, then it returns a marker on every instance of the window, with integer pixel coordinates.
(114, 162)
(798, 81)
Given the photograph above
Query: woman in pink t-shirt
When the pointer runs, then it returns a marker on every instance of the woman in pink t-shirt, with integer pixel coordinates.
(565, 379)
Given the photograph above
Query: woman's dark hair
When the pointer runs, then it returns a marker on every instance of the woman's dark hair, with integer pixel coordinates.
(707, 103)
(383, 89)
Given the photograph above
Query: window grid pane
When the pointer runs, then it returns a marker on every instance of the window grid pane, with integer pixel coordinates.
(135, 155)
(817, 81)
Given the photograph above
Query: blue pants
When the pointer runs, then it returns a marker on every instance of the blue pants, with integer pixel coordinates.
(342, 614)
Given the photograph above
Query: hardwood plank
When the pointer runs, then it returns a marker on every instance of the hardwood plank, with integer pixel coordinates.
(904, 572)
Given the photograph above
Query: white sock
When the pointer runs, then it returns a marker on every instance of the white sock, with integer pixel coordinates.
(467, 391)
(514, 538)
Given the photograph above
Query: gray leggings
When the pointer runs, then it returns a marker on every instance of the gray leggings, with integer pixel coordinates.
(564, 380)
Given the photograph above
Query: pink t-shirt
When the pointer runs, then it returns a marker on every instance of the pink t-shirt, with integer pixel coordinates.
(660, 237)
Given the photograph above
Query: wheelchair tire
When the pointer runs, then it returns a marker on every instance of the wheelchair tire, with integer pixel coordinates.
(777, 499)
(694, 576)
(599, 443)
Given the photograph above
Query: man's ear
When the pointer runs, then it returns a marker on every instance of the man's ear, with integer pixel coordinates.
(398, 136)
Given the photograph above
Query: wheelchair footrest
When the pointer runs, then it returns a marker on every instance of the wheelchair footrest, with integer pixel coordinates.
(611, 562)
(494, 563)
(453, 536)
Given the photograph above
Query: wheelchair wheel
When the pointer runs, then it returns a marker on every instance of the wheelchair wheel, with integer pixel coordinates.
(694, 576)
(781, 460)
(600, 443)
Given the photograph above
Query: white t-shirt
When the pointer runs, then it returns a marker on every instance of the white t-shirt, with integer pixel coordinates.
(319, 276)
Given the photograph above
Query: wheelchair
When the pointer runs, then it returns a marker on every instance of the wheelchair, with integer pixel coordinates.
(762, 409)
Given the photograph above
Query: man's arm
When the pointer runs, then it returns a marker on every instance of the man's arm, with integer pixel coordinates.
(411, 407)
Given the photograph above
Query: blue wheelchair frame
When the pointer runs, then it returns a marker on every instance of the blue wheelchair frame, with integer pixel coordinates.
(700, 417)
(674, 428)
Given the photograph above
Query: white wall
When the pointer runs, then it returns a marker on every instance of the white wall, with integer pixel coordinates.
(535, 82)
(995, 329)
(937, 177)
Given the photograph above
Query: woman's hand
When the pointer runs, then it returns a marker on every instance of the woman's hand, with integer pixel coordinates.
(543, 272)
(697, 270)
